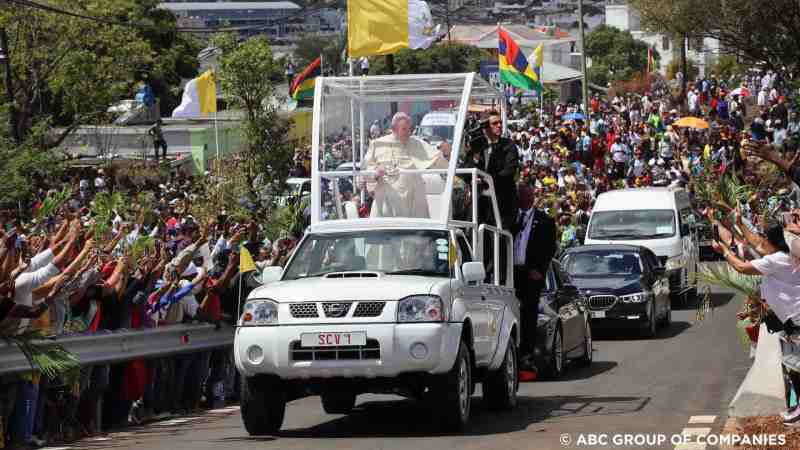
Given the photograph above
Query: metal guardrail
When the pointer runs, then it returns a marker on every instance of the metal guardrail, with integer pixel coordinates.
(114, 347)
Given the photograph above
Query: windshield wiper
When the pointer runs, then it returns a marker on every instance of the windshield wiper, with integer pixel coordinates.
(417, 272)
(615, 236)
(312, 275)
(654, 236)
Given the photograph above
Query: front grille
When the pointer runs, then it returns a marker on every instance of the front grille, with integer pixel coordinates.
(336, 309)
(303, 310)
(602, 301)
(369, 309)
(343, 352)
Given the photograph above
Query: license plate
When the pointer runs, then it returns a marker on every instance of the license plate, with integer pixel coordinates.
(333, 339)
(598, 314)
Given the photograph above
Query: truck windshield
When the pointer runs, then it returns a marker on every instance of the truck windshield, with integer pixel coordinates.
(632, 225)
(393, 252)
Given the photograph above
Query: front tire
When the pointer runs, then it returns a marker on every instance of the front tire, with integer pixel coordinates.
(452, 392)
(501, 386)
(338, 402)
(586, 359)
(649, 330)
(263, 405)
(554, 366)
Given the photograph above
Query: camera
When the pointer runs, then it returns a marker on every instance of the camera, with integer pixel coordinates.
(473, 129)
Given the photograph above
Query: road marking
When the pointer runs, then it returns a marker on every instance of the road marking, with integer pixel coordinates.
(690, 446)
(702, 419)
(696, 431)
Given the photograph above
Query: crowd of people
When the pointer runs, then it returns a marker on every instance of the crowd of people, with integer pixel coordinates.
(66, 274)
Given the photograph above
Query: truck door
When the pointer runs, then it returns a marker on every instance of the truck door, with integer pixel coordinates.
(474, 298)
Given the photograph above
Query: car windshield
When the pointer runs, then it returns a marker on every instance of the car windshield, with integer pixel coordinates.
(394, 252)
(602, 262)
(436, 133)
(632, 225)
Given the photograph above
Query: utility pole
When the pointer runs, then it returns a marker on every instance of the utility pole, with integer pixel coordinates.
(584, 85)
(5, 59)
(447, 20)
(390, 69)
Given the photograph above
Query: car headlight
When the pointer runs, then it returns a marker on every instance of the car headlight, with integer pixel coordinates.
(639, 297)
(259, 312)
(420, 308)
(674, 263)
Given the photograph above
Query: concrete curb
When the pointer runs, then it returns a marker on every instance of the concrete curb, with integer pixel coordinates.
(762, 393)
(731, 427)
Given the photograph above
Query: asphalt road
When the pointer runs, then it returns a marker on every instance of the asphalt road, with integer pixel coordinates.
(689, 373)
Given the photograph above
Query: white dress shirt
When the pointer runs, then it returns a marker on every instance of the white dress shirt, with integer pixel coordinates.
(521, 242)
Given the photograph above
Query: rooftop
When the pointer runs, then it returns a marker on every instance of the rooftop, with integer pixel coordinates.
(227, 6)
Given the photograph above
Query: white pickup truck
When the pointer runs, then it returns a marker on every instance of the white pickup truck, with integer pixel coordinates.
(384, 305)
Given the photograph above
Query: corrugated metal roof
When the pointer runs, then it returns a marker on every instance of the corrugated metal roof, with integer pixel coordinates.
(227, 6)
(556, 72)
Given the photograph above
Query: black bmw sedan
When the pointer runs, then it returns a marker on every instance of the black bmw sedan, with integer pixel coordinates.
(624, 283)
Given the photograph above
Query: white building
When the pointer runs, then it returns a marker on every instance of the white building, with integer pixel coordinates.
(703, 52)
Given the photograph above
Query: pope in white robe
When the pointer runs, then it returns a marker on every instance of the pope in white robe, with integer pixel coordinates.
(396, 194)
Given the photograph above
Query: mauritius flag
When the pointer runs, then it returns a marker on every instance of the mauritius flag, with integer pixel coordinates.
(303, 85)
(514, 67)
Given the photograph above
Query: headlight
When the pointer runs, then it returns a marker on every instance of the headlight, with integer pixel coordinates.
(259, 312)
(420, 308)
(674, 263)
(639, 297)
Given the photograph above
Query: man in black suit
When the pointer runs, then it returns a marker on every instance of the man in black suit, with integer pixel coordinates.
(534, 247)
(498, 157)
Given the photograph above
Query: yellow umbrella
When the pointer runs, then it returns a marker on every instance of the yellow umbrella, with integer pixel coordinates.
(691, 122)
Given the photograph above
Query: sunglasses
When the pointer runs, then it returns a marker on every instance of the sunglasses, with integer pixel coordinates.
(497, 122)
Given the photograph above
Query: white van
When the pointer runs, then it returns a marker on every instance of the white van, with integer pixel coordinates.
(660, 219)
(436, 127)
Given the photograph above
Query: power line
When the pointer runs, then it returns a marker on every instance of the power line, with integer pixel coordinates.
(54, 10)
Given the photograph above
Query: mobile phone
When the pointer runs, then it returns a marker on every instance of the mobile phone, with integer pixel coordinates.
(715, 232)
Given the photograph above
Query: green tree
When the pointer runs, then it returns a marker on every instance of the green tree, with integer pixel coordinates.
(615, 54)
(727, 67)
(675, 66)
(248, 74)
(24, 167)
(311, 47)
(440, 58)
(762, 32)
(66, 71)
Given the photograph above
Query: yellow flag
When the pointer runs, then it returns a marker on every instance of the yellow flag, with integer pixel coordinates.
(376, 27)
(246, 263)
(207, 91)
(538, 56)
(451, 254)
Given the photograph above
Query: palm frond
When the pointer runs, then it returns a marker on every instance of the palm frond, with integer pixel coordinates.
(140, 246)
(49, 358)
(722, 275)
(52, 203)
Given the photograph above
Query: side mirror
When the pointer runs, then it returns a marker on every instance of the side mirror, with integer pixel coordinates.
(473, 272)
(659, 272)
(271, 274)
